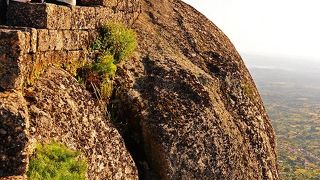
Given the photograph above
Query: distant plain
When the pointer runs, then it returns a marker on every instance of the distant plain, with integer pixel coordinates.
(290, 89)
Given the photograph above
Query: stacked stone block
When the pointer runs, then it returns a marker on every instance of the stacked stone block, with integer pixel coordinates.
(49, 34)
(21, 48)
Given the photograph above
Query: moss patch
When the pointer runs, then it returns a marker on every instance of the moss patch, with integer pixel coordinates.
(39, 67)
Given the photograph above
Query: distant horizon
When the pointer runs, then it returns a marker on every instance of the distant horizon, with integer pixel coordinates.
(284, 28)
(279, 57)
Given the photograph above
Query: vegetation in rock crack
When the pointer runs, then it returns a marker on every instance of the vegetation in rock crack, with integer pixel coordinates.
(105, 65)
(115, 43)
(117, 40)
(55, 161)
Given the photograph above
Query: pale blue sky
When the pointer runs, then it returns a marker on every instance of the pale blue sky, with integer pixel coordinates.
(288, 28)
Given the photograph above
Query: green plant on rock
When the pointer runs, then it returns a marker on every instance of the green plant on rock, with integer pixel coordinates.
(116, 39)
(106, 87)
(104, 65)
(115, 43)
(72, 65)
(57, 162)
(104, 70)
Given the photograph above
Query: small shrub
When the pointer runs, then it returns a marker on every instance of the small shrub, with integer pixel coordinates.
(104, 65)
(116, 39)
(115, 43)
(106, 87)
(55, 161)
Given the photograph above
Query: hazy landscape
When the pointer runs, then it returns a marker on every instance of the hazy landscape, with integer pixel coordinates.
(290, 89)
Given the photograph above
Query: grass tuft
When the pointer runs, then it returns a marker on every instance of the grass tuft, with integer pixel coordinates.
(57, 162)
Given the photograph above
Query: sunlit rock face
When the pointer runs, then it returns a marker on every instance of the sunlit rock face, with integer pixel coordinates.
(57, 108)
(14, 125)
(184, 103)
(62, 110)
(193, 108)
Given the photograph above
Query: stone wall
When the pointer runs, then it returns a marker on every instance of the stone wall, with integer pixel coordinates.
(51, 16)
(48, 34)
(22, 49)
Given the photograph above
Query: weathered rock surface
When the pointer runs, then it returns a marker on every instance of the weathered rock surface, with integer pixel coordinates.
(14, 124)
(12, 47)
(62, 110)
(59, 109)
(14, 178)
(190, 102)
(44, 16)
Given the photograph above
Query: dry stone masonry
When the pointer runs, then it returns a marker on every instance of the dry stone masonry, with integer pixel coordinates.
(37, 34)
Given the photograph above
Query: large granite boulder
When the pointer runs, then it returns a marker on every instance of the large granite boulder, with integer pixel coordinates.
(189, 101)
